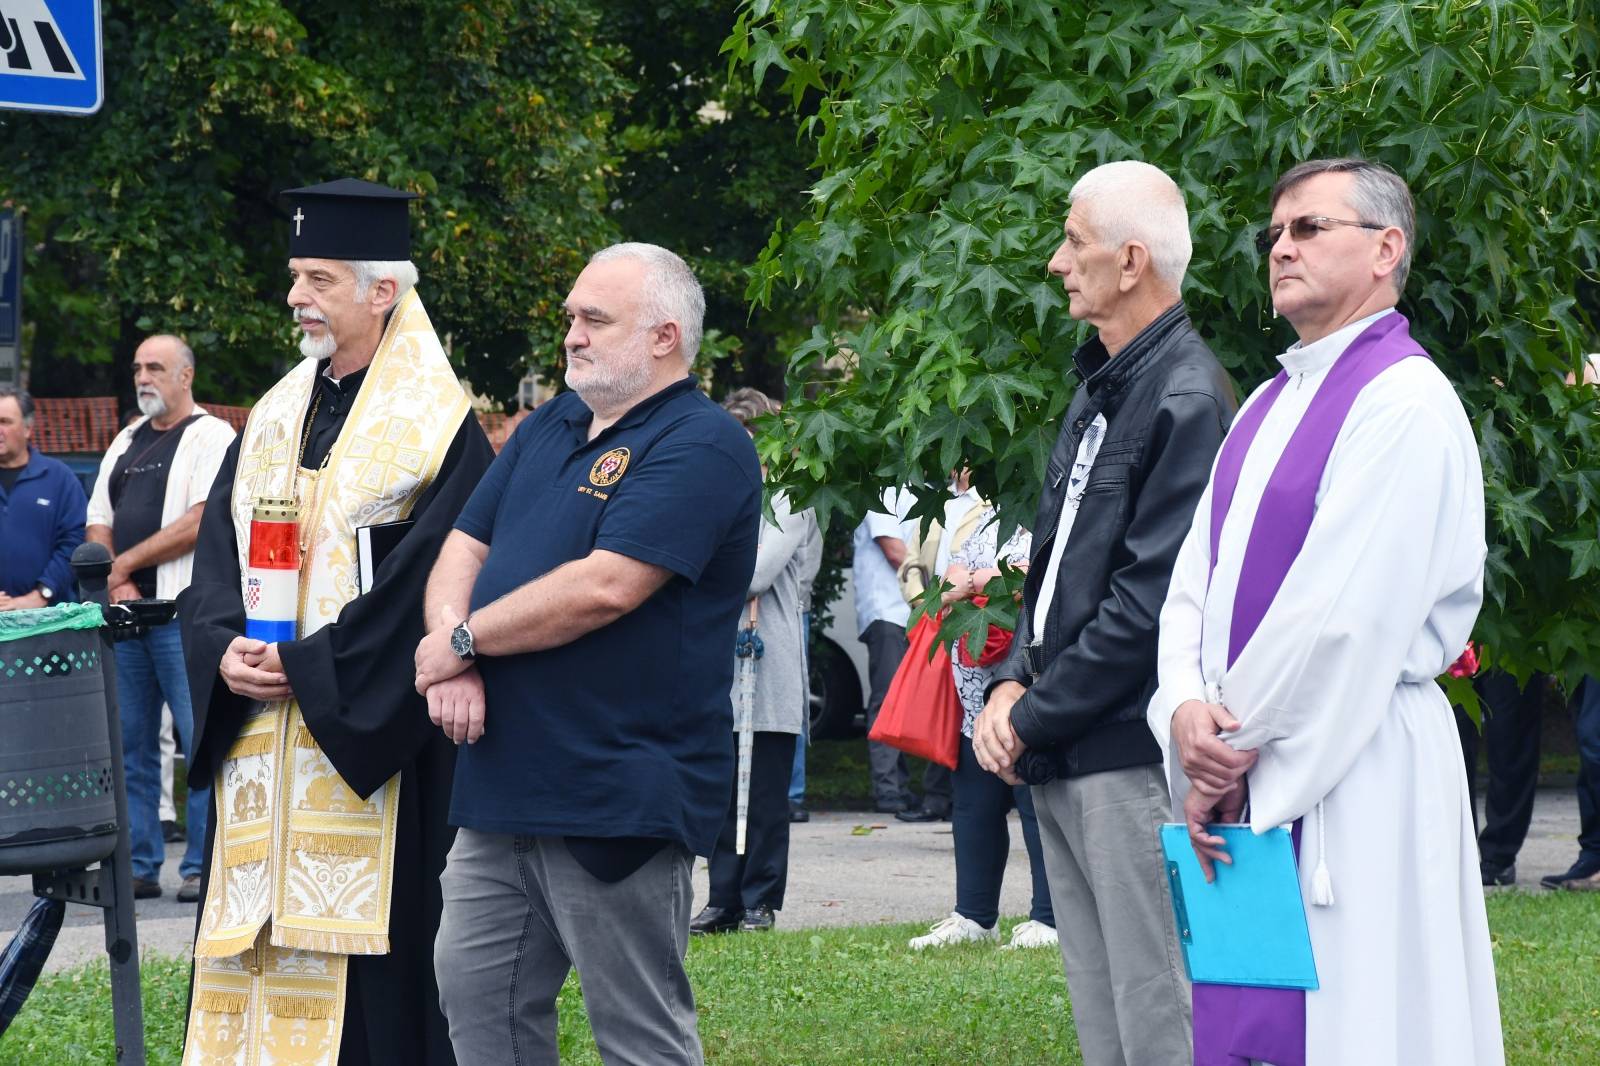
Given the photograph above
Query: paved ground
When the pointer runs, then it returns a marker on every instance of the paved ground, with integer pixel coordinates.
(895, 873)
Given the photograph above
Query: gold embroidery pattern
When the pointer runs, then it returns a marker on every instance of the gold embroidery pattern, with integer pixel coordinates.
(268, 1006)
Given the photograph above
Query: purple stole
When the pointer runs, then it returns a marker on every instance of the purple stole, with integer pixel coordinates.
(1232, 1023)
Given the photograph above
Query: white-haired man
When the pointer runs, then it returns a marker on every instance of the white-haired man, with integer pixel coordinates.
(330, 785)
(1334, 570)
(146, 508)
(581, 620)
(1066, 711)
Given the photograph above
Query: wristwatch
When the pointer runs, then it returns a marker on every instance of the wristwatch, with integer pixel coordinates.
(46, 591)
(461, 642)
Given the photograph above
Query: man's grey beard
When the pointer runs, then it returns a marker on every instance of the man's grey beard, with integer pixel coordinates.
(152, 405)
(318, 347)
(618, 385)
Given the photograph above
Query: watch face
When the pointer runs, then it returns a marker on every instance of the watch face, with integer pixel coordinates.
(461, 641)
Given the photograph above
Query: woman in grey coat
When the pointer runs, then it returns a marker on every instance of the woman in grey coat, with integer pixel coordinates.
(746, 889)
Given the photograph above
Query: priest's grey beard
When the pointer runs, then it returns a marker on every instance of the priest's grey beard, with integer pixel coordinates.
(151, 404)
(321, 347)
(313, 347)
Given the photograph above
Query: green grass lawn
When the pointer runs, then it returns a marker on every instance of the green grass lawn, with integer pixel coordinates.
(839, 779)
(859, 997)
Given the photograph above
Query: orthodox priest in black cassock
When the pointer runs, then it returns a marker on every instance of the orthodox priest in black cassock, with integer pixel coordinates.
(328, 834)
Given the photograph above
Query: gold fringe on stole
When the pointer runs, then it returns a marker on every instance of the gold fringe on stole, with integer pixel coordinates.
(335, 844)
(225, 948)
(285, 936)
(215, 1001)
(251, 744)
(246, 851)
(300, 1006)
(303, 737)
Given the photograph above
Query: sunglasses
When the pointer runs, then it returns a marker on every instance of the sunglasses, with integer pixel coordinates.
(1303, 229)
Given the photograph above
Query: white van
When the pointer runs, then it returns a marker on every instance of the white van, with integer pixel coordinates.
(839, 685)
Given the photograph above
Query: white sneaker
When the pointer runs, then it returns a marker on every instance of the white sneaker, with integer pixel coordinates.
(954, 930)
(1032, 934)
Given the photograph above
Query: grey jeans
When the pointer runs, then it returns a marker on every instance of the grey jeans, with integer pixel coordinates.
(1108, 885)
(520, 913)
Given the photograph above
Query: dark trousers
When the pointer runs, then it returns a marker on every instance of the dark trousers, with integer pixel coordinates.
(1587, 723)
(886, 646)
(759, 876)
(1511, 723)
(983, 842)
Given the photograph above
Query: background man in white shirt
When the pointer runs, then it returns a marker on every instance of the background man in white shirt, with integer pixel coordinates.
(146, 508)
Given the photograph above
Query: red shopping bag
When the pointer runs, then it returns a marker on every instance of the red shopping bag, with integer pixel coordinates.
(921, 715)
(995, 648)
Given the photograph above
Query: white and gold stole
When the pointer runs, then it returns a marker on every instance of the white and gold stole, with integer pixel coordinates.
(302, 868)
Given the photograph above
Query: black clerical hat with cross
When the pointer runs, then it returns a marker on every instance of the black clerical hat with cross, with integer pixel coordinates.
(349, 219)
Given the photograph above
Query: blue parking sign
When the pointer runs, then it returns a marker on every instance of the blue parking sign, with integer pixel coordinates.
(50, 56)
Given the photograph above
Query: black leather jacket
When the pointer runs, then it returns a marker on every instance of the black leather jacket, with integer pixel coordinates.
(1167, 403)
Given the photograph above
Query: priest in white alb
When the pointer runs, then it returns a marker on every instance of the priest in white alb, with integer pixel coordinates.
(1333, 571)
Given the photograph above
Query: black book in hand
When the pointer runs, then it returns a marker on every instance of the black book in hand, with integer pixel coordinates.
(373, 545)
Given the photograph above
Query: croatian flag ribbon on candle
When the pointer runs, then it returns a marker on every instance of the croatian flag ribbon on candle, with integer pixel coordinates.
(272, 579)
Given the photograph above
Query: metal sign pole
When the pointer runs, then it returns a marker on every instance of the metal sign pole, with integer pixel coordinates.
(11, 246)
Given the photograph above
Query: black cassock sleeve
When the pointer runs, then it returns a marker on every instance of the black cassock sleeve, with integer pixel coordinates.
(354, 677)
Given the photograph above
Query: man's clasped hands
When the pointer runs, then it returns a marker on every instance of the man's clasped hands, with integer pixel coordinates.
(1218, 787)
(453, 687)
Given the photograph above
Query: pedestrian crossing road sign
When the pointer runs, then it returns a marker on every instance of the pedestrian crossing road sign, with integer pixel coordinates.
(50, 56)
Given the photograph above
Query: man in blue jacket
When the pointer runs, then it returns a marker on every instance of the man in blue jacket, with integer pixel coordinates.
(42, 509)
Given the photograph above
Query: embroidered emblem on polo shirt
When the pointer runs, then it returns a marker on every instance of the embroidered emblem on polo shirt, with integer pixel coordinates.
(609, 468)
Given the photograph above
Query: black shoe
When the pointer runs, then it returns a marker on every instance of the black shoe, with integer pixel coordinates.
(715, 920)
(798, 813)
(1494, 874)
(890, 806)
(758, 920)
(172, 832)
(916, 814)
(143, 889)
(1585, 874)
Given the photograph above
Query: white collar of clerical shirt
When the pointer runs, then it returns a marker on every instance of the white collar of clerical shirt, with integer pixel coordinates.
(1319, 355)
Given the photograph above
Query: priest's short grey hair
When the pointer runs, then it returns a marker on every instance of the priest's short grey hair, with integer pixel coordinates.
(1378, 195)
(370, 271)
(671, 293)
(1133, 201)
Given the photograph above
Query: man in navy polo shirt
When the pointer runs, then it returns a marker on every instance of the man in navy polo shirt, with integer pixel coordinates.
(42, 508)
(581, 621)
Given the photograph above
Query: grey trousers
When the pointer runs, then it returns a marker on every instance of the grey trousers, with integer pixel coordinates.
(1108, 885)
(520, 913)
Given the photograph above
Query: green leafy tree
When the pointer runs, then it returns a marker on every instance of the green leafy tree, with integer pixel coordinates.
(161, 212)
(949, 133)
(707, 164)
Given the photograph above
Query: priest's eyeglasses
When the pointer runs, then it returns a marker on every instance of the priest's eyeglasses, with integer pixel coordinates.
(1303, 229)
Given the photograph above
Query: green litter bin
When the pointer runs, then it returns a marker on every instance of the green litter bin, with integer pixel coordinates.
(57, 793)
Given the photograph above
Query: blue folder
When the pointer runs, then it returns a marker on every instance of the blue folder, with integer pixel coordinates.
(1248, 927)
